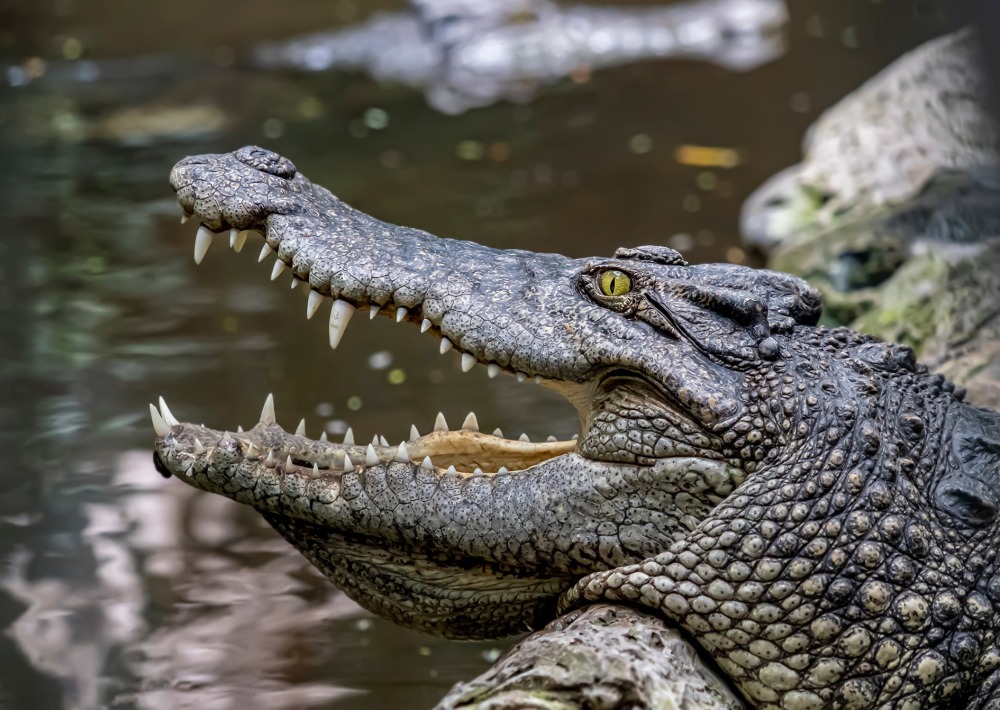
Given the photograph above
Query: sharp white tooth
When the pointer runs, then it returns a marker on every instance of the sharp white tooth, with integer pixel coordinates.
(439, 423)
(375, 440)
(348, 437)
(401, 313)
(575, 437)
(523, 437)
(315, 470)
(382, 441)
(521, 377)
(202, 241)
(313, 304)
(502, 470)
(468, 362)
(250, 451)
(288, 462)
(402, 455)
(279, 266)
(498, 433)
(295, 282)
(446, 345)
(348, 464)
(551, 438)
(270, 457)
(264, 251)
(267, 413)
(199, 448)
(184, 219)
(451, 470)
(425, 325)
(239, 240)
(300, 430)
(492, 370)
(322, 436)
(340, 316)
(159, 425)
(373, 311)
(414, 434)
(371, 458)
(167, 416)
(477, 472)
(239, 429)
(471, 422)
(426, 463)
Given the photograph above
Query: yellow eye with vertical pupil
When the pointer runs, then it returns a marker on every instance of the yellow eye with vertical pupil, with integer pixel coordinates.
(614, 282)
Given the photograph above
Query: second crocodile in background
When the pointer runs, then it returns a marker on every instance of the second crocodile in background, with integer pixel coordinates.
(815, 509)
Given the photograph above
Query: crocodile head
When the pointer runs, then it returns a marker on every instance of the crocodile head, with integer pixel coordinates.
(467, 534)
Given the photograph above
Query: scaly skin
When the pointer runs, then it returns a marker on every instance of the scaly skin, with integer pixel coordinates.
(827, 507)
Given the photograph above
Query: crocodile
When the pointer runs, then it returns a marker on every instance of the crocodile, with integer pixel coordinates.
(814, 508)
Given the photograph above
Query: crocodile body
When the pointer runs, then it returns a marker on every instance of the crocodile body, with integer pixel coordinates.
(815, 509)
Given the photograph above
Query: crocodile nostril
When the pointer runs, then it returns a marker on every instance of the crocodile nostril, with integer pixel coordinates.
(266, 161)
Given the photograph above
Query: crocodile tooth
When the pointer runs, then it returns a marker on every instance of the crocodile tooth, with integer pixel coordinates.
(426, 463)
(382, 441)
(551, 438)
(184, 218)
(451, 470)
(523, 437)
(471, 422)
(264, 251)
(502, 471)
(575, 437)
(167, 416)
(402, 455)
(492, 370)
(348, 437)
(477, 472)
(439, 423)
(373, 311)
(446, 345)
(414, 434)
(295, 281)
(250, 451)
(288, 462)
(199, 448)
(340, 316)
(498, 433)
(401, 313)
(239, 429)
(375, 440)
(159, 426)
(239, 240)
(269, 461)
(279, 266)
(521, 377)
(315, 470)
(538, 379)
(348, 464)
(202, 241)
(267, 413)
(322, 436)
(313, 304)
(371, 458)
(300, 430)
(425, 325)
(468, 362)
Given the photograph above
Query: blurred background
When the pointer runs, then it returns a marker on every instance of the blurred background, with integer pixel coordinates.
(121, 589)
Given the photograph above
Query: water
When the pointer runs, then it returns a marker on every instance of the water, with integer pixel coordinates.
(121, 589)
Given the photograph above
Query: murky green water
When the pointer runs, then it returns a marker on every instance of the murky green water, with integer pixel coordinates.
(120, 589)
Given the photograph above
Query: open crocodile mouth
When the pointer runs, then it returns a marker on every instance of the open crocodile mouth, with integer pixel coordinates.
(465, 451)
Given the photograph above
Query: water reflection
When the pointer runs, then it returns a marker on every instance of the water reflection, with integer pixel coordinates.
(118, 588)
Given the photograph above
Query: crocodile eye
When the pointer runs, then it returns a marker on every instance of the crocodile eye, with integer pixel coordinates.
(614, 282)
